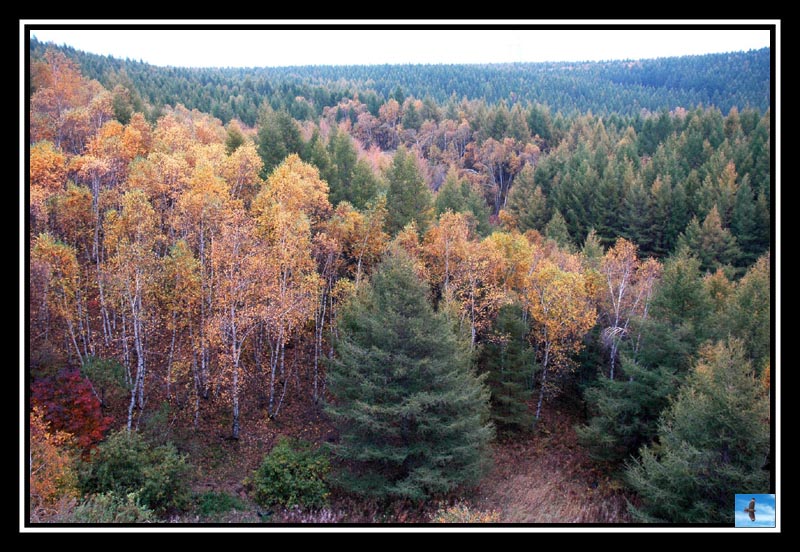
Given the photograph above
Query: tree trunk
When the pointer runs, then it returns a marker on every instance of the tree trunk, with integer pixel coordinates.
(544, 380)
(196, 379)
(169, 358)
(126, 353)
(285, 379)
(71, 328)
(275, 355)
(614, 345)
(320, 326)
(103, 310)
(235, 433)
(235, 361)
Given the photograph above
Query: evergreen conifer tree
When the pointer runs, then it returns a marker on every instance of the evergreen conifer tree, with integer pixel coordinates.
(712, 442)
(412, 416)
(507, 357)
(408, 197)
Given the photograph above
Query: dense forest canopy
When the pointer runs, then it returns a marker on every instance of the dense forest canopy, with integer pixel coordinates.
(402, 262)
(628, 87)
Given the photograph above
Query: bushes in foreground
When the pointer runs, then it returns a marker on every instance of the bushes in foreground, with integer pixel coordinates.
(111, 507)
(125, 463)
(292, 474)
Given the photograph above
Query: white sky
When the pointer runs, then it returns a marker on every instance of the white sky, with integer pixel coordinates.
(259, 48)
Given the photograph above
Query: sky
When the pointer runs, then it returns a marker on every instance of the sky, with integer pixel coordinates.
(261, 48)
(765, 510)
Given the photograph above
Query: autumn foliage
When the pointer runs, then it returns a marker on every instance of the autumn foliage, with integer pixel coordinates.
(230, 273)
(69, 404)
(52, 472)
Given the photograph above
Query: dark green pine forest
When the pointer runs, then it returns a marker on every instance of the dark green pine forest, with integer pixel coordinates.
(399, 293)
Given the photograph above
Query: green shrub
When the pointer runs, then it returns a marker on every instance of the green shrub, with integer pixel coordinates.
(292, 474)
(112, 508)
(107, 376)
(165, 484)
(125, 463)
(211, 503)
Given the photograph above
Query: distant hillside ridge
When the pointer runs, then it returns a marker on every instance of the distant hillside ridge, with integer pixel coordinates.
(628, 87)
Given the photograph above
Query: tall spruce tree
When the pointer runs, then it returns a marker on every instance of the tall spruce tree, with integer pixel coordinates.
(712, 442)
(459, 196)
(412, 415)
(408, 198)
(343, 156)
(556, 230)
(680, 315)
(278, 137)
(526, 202)
(626, 410)
(747, 314)
(744, 223)
(507, 357)
(713, 244)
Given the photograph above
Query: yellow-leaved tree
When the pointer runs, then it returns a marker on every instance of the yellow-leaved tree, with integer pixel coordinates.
(562, 313)
(132, 235)
(629, 286)
(55, 271)
(292, 203)
(239, 264)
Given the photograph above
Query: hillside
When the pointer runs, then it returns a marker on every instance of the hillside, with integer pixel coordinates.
(402, 308)
(740, 79)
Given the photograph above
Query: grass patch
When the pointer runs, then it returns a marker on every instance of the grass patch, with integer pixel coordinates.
(211, 504)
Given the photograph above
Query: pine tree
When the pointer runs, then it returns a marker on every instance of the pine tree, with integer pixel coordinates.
(518, 126)
(343, 158)
(679, 215)
(680, 315)
(556, 230)
(526, 202)
(744, 223)
(747, 314)
(497, 122)
(412, 416)
(610, 224)
(763, 229)
(637, 216)
(408, 197)
(540, 122)
(364, 186)
(314, 152)
(660, 207)
(278, 137)
(592, 250)
(625, 411)
(411, 117)
(459, 196)
(714, 245)
(235, 137)
(713, 440)
(507, 358)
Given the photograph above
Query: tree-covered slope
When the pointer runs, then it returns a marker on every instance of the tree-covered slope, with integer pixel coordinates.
(738, 79)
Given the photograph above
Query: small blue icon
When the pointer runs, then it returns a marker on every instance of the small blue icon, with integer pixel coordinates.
(755, 510)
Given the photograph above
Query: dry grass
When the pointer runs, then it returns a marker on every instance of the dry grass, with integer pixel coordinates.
(546, 477)
(541, 477)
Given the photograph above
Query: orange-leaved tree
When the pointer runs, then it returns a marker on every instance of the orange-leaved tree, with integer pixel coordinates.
(52, 474)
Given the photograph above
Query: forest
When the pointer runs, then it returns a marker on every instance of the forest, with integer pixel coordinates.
(523, 293)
